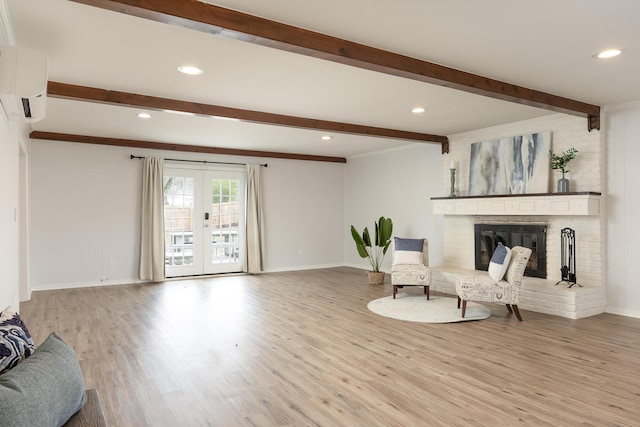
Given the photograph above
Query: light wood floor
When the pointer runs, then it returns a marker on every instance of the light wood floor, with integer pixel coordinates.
(301, 349)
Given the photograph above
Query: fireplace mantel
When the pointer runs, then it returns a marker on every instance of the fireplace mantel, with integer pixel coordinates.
(576, 204)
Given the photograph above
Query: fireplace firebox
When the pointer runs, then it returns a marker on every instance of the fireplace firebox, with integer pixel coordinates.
(533, 236)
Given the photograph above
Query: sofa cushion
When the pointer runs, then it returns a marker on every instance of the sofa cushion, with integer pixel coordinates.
(499, 262)
(44, 390)
(407, 251)
(15, 340)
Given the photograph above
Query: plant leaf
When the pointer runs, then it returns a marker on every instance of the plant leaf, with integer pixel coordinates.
(360, 246)
(366, 237)
(386, 230)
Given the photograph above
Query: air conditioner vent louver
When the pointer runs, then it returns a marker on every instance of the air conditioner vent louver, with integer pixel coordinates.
(26, 107)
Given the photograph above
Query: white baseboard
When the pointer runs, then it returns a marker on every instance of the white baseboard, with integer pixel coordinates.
(302, 267)
(75, 285)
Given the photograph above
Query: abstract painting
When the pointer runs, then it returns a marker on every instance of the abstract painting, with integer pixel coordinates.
(513, 165)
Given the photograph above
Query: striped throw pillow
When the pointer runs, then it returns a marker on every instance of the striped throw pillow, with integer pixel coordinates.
(407, 251)
(499, 262)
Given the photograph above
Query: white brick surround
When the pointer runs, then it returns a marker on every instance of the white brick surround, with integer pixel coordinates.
(586, 176)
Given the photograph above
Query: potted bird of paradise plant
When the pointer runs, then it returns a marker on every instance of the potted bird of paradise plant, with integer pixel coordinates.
(375, 249)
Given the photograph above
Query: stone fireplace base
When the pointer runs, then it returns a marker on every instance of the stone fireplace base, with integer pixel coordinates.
(539, 295)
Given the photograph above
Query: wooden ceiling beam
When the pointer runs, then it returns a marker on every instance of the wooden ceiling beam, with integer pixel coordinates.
(241, 26)
(91, 94)
(134, 143)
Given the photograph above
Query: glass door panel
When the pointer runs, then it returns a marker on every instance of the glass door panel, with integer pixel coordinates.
(203, 221)
(226, 221)
(182, 229)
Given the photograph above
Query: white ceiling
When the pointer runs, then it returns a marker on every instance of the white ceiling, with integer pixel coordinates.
(546, 45)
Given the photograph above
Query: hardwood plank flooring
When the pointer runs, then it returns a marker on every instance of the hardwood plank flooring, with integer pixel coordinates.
(301, 349)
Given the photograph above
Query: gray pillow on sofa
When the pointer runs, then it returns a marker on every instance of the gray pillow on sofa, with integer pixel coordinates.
(46, 389)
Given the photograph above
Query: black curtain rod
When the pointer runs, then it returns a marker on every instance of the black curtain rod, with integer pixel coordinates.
(201, 161)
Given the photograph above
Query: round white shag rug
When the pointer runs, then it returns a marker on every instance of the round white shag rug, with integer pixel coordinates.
(417, 308)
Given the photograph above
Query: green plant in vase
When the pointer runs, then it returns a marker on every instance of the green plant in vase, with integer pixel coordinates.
(376, 249)
(560, 162)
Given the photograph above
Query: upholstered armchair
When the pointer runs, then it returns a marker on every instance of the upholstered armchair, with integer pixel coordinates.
(482, 287)
(410, 264)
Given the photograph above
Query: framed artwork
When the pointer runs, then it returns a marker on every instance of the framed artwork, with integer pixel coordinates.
(513, 165)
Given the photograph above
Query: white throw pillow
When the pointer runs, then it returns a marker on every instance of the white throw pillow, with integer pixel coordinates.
(499, 262)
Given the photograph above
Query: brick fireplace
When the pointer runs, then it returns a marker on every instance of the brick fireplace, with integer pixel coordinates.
(580, 211)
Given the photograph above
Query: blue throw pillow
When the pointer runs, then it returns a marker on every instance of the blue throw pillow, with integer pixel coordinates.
(15, 340)
(44, 390)
(499, 262)
(407, 251)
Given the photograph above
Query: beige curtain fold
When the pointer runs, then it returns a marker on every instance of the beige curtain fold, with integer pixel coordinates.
(254, 226)
(152, 233)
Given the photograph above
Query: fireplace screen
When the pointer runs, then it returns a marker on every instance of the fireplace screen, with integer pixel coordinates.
(487, 237)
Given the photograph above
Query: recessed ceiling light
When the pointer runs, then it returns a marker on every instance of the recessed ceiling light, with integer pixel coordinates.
(326, 137)
(418, 110)
(190, 69)
(144, 115)
(608, 53)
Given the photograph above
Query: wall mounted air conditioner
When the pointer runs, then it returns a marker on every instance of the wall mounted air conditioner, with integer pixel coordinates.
(23, 83)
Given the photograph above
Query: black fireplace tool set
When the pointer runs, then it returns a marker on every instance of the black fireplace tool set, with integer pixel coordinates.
(568, 256)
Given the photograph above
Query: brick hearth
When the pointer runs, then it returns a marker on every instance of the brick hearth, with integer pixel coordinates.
(539, 295)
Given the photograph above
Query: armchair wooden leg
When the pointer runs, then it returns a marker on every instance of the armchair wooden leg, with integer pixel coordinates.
(426, 291)
(464, 307)
(517, 312)
(458, 302)
(514, 309)
(395, 289)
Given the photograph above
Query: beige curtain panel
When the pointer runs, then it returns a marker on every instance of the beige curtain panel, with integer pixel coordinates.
(152, 234)
(254, 231)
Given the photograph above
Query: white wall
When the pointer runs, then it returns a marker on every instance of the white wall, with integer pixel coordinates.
(304, 214)
(397, 184)
(623, 209)
(9, 161)
(86, 211)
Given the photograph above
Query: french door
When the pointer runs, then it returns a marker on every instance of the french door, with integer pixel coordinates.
(203, 221)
